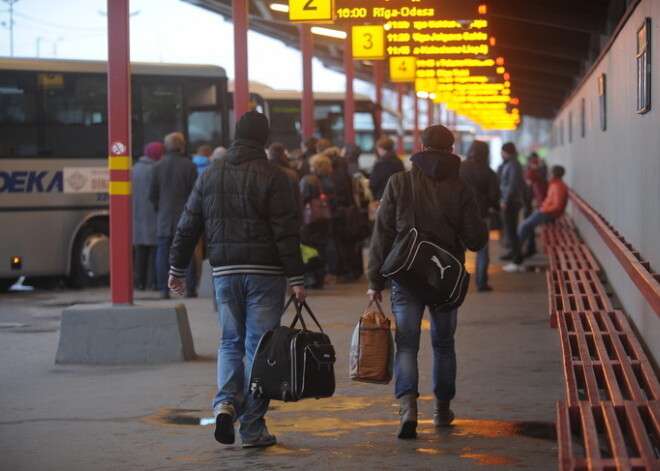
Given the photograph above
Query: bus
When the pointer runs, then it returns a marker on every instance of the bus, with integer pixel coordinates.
(54, 154)
(283, 108)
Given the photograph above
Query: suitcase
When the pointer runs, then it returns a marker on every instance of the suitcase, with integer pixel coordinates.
(293, 363)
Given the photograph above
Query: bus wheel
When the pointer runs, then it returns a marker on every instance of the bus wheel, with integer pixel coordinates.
(90, 261)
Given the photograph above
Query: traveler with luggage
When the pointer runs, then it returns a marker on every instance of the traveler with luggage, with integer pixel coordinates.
(248, 209)
(433, 199)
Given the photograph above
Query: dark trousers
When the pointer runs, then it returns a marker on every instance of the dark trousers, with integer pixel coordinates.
(144, 266)
(510, 218)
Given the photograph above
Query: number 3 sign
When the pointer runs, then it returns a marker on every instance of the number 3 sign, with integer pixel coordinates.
(368, 42)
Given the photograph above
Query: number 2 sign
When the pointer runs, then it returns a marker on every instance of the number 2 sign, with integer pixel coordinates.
(318, 11)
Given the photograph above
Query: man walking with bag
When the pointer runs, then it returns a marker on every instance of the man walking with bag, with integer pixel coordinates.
(248, 209)
(445, 211)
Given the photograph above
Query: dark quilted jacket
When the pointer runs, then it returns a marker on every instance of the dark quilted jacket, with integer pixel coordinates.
(248, 210)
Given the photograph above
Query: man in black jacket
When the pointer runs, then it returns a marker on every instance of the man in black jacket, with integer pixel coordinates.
(247, 207)
(388, 164)
(172, 181)
(476, 172)
(446, 210)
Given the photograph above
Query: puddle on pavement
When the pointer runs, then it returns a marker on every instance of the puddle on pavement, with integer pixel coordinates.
(303, 419)
(333, 425)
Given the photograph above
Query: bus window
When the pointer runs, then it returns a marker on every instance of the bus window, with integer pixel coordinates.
(161, 111)
(365, 130)
(204, 128)
(74, 115)
(18, 115)
(285, 125)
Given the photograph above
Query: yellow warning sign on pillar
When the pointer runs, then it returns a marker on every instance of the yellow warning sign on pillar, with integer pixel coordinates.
(368, 42)
(317, 11)
(403, 68)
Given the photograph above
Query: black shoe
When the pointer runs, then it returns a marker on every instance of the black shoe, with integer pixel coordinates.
(224, 423)
(485, 289)
(266, 439)
(529, 253)
(506, 256)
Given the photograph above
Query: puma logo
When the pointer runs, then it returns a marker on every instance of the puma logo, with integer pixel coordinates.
(435, 260)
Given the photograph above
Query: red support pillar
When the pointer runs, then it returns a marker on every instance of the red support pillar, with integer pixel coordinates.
(349, 103)
(307, 104)
(378, 86)
(119, 153)
(399, 107)
(416, 144)
(241, 82)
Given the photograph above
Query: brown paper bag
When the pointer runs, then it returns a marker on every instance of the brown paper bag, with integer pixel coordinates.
(371, 357)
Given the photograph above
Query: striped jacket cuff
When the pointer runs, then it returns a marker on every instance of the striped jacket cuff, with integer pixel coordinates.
(296, 280)
(177, 272)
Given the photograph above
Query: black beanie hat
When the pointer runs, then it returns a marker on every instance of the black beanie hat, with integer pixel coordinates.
(437, 137)
(510, 148)
(254, 126)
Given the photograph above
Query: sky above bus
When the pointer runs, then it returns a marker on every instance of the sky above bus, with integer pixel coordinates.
(161, 31)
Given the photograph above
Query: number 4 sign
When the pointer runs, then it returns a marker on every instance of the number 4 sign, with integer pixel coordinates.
(368, 42)
(317, 11)
(403, 69)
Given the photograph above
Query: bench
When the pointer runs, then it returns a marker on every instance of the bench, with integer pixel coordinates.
(610, 419)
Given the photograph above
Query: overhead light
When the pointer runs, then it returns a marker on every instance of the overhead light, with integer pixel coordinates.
(422, 94)
(331, 33)
(279, 7)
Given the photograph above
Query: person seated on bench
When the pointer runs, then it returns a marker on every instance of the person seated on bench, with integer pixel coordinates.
(553, 207)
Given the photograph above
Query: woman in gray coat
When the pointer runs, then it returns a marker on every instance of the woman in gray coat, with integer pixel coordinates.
(144, 219)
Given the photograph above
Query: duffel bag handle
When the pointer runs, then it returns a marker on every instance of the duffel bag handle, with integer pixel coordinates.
(299, 315)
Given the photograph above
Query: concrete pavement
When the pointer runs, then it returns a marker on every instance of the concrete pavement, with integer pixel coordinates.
(147, 417)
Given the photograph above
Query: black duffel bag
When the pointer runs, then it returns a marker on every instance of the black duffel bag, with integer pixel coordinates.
(292, 364)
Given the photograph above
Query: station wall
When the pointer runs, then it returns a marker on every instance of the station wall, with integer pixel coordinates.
(616, 170)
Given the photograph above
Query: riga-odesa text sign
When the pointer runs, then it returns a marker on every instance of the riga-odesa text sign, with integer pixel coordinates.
(376, 11)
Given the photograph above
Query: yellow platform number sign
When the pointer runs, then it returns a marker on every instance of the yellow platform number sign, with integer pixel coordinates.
(368, 42)
(316, 11)
(402, 68)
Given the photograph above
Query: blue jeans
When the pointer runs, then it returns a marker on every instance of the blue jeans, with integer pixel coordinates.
(526, 229)
(163, 266)
(248, 306)
(408, 313)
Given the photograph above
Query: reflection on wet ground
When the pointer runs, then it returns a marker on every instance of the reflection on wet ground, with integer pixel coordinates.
(369, 419)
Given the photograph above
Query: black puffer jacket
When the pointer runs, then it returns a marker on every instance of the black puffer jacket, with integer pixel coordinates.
(446, 211)
(248, 210)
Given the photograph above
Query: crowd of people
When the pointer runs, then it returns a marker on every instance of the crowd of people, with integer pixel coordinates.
(267, 218)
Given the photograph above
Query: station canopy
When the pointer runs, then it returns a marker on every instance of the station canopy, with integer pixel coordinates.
(491, 61)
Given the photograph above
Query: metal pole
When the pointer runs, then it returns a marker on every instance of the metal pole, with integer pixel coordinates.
(429, 112)
(399, 107)
(416, 144)
(349, 103)
(11, 26)
(119, 153)
(307, 104)
(378, 86)
(241, 81)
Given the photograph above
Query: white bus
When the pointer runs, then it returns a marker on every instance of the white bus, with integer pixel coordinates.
(283, 108)
(54, 152)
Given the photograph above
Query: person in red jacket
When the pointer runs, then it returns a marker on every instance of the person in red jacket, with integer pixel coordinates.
(553, 207)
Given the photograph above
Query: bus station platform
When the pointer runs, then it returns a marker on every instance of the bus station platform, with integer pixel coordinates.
(157, 416)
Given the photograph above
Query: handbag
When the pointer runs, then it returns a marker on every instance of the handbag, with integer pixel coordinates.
(430, 272)
(293, 363)
(371, 358)
(317, 209)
